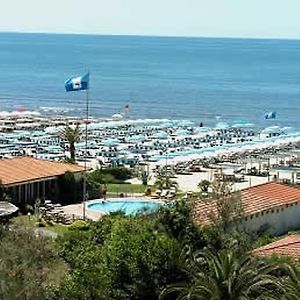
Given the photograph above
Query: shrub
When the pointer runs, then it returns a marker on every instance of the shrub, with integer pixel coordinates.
(120, 174)
(79, 225)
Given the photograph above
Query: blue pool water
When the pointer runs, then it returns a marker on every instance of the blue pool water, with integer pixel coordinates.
(129, 207)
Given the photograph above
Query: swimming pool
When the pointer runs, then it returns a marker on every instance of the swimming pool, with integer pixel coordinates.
(127, 205)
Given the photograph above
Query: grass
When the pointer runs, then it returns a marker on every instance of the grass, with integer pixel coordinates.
(126, 188)
(32, 221)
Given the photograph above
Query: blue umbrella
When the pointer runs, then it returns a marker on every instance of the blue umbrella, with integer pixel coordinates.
(111, 142)
(222, 125)
(161, 135)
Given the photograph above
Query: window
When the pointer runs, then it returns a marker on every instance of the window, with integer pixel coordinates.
(257, 215)
(251, 217)
(272, 210)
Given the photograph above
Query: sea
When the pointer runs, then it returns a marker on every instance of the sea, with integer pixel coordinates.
(200, 79)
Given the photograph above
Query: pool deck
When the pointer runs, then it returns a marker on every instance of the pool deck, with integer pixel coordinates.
(76, 211)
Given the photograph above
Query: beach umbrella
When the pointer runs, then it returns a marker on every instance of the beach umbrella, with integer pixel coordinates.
(271, 129)
(287, 129)
(241, 124)
(185, 123)
(161, 135)
(221, 126)
(110, 142)
(117, 117)
(53, 148)
(181, 132)
(136, 139)
(53, 130)
(202, 130)
(168, 124)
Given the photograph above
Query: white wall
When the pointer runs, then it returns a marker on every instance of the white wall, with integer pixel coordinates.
(280, 220)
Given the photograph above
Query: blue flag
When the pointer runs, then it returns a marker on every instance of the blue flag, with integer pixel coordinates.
(78, 83)
(270, 115)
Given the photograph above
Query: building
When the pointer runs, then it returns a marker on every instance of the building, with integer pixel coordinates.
(271, 206)
(26, 179)
(288, 246)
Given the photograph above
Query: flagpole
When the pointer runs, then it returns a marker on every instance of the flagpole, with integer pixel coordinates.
(85, 152)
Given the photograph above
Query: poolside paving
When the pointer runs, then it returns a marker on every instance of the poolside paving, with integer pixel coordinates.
(76, 211)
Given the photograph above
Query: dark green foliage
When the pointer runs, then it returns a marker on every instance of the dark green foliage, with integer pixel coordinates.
(292, 282)
(177, 221)
(28, 265)
(71, 135)
(120, 174)
(144, 257)
(226, 275)
(120, 258)
(145, 177)
(110, 175)
(204, 185)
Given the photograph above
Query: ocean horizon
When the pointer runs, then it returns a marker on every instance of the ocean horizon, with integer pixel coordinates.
(201, 79)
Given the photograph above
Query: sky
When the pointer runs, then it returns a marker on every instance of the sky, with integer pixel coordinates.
(205, 18)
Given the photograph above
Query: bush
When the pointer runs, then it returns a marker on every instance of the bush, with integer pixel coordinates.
(120, 174)
(120, 258)
(110, 175)
(79, 225)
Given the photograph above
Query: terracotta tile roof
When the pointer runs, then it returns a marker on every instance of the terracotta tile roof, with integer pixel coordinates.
(22, 169)
(289, 246)
(254, 200)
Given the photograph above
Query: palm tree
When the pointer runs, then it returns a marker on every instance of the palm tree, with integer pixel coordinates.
(71, 136)
(292, 284)
(226, 276)
(145, 177)
(203, 185)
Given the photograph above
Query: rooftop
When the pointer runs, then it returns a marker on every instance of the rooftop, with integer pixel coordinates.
(254, 200)
(25, 169)
(288, 246)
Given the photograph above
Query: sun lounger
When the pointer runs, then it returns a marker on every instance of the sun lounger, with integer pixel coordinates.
(164, 194)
